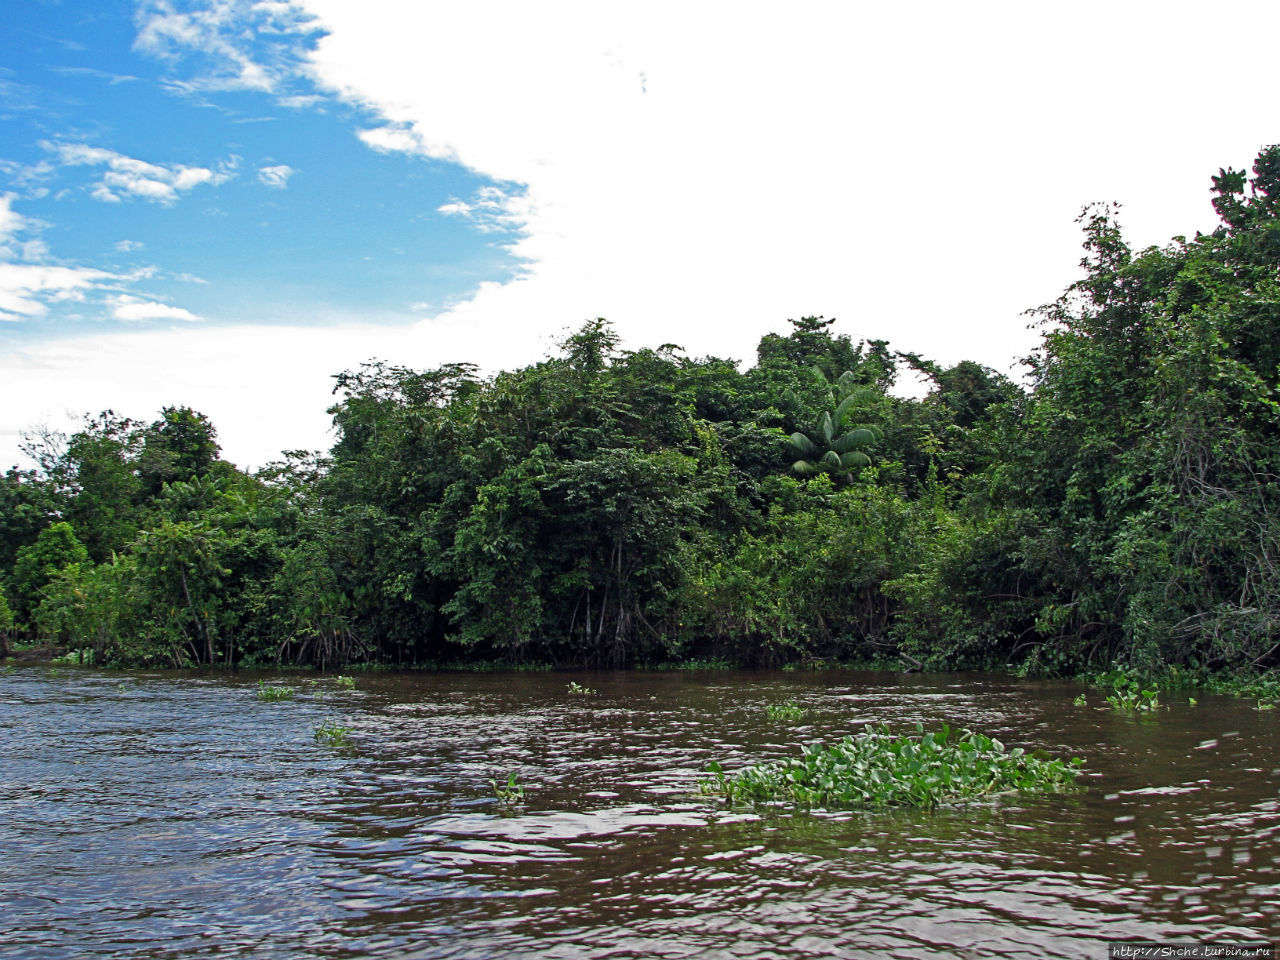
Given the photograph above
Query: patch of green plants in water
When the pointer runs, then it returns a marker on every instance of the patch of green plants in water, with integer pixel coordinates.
(333, 734)
(82, 657)
(876, 769)
(345, 683)
(274, 692)
(1080, 700)
(707, 663)
(1174, 678)
(786, 710)
(577, 688)
(1131, 695)
(1254, 688)
(512, 792)
(468, 666)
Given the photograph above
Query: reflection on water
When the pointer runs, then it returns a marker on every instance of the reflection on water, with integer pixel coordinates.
(155, 816)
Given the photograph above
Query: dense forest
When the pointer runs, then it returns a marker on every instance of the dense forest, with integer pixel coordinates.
(614, 507)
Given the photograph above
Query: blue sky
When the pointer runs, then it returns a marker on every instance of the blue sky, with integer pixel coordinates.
(222, 203)
(209, 205)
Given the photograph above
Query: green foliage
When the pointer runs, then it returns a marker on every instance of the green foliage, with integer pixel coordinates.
(833, 446)
(272, 693)
(811, 581)
(877, 769)
(786, 711)
(511, 793)
(1131, 695)
(27, 506)
(37, 565)
(609, 507)
(576, 688)
(180, 446)
(6, 625)
(333, 734)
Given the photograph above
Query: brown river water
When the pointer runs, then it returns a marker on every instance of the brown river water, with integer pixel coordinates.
(177, 815)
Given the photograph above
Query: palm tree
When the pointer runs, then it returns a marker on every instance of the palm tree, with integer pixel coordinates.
(833, 446)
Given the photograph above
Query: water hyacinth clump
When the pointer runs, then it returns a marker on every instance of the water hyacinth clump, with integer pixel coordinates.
(334, 734)
(877, 769)
(786, 710)
(1131, 695)
(274, 692)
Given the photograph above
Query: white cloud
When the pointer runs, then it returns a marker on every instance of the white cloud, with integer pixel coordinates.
(490, 210)
(699, 173)
(241, 377)
(26, 289)
(128, 177)
(245, 44)
(11, 222)
(129, 246)
(132, 309)
(276, 176)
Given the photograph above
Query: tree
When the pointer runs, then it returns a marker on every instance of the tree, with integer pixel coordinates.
(38, 564)
(181, 445)
(833, 446)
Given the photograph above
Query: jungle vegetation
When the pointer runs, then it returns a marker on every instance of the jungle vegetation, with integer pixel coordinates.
(622, 507)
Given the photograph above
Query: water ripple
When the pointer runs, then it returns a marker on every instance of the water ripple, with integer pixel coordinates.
(162, 815)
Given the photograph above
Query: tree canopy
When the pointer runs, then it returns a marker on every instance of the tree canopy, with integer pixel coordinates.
(610, 506)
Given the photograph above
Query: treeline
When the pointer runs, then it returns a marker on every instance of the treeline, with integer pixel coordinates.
(614, 507)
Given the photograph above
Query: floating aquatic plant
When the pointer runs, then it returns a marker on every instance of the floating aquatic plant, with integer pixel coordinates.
(786, 710)
(333, 734)
(877, 769)
(575, 687)
(1130, 695)
(512, 793)
(274, 692)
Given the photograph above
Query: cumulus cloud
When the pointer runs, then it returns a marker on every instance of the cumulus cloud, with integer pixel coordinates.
(276, 176)
(699, 173)
(26, 289)
(129, 177)
(132, 309)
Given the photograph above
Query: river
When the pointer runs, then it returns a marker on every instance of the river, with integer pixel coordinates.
(167, 815)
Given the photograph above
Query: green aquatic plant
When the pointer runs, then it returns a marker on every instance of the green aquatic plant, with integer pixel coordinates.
(83, 657)
(877, 769)
(575, 687)
(333, 734)
(345, 683)
(786, 710)
(1131, 695)
(1255, 688)
(512, 793)
(274, 692)
(1080, 701)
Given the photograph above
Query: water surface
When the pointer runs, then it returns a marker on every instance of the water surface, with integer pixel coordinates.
(177, 815)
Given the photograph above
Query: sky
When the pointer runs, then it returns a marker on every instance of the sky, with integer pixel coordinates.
(223, 203)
